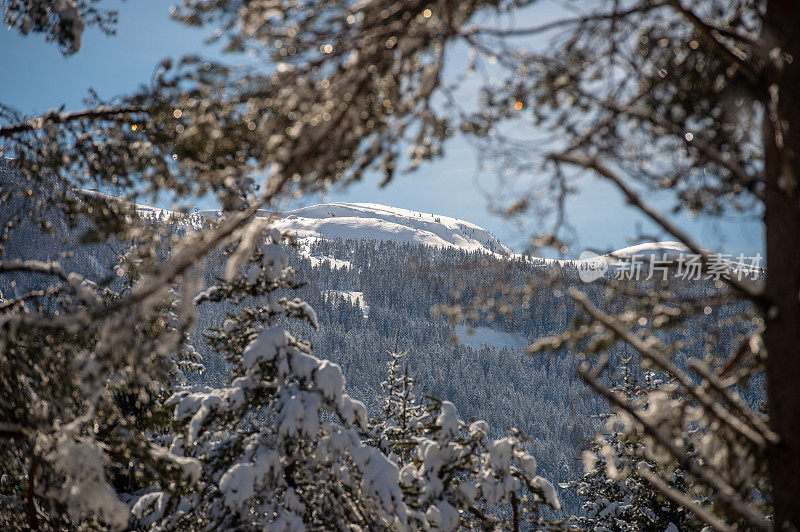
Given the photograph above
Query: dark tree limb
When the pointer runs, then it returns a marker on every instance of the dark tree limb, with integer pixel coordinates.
(102, 113)
(33, 522)
(750, 290)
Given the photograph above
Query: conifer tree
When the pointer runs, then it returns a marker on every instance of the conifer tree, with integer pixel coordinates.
(401, 413)
(278, 444)
(454, 474)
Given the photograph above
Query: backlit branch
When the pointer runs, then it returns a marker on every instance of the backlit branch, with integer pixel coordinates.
(697, 393)
(682, 499)
(100, 113)
(706, 32)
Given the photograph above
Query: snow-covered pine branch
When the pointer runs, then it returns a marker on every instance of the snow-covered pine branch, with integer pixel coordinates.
(279, 444)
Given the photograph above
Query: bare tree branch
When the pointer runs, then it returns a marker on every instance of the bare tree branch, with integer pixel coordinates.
(665, 364)
(59, 118)
(696, 143)
(739, 406)
(4, 305)
(11, 431)
(726, 494)
(706, 32)
(751, 290)
(681, 498)
(560, 23)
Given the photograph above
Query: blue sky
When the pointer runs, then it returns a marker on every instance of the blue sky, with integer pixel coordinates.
(36, 77)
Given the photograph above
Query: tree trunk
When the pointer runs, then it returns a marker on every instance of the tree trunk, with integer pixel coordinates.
(782, 222)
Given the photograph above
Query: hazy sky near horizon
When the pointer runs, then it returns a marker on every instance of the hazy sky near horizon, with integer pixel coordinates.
(36, 77)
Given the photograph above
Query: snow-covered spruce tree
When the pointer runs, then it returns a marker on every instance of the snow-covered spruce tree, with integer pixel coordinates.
(614, 496)
(401, 413)
(453, 474)
(279, 444)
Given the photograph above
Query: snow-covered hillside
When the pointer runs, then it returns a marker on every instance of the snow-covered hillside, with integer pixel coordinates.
(658, 250)
(372, 221)
(380, 222)
(356, 221)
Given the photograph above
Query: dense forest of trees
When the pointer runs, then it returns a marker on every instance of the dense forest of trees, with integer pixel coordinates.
(503, 385)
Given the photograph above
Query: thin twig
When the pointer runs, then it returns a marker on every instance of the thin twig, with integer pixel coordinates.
(697, 143)
(532, 30)
(706, 32)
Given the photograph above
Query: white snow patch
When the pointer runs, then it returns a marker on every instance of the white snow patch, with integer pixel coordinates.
(548, 491)
(355, 298)
(658, 250)
(86, 489)
(331, 262)
(475, 337)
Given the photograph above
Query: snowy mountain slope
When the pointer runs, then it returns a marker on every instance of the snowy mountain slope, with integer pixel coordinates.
(372, 221)
(379, 222)
(347, 221)
(657, 250)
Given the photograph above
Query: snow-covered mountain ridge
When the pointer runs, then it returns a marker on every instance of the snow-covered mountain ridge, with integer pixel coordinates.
(372, 221)
(357, 221)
